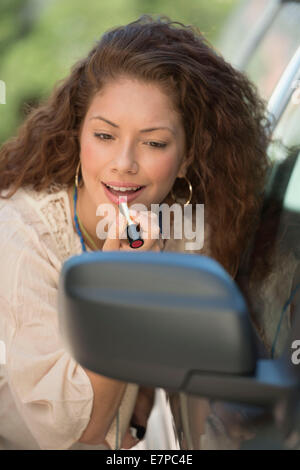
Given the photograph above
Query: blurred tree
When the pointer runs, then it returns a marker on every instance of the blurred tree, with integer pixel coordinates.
(41, 39)
(17, 18)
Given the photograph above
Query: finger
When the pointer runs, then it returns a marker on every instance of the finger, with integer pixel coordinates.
(124, 239)
(152, 216)
(150, 230)
(114, 235)
(128, 440)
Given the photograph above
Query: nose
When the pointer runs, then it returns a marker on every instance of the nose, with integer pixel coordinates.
(125, 161)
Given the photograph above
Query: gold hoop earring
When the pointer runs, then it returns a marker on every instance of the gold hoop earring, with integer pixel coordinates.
(190, 189)
(76, 175)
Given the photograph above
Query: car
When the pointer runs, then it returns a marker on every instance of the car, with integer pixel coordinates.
(253, 394)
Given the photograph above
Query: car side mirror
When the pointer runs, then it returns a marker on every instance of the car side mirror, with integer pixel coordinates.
(169, 320)
(155, 317)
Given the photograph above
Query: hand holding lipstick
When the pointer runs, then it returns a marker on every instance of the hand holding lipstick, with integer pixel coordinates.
(133, 230)
(149, 231)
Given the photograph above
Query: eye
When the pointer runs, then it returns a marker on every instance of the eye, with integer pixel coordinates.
(99, 136)
(157, 145)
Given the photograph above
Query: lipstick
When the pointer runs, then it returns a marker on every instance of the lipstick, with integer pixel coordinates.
(133, 232)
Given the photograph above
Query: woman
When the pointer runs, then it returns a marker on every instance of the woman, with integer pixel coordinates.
(152, 105)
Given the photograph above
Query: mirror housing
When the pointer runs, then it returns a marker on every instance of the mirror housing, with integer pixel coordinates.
(154, 318)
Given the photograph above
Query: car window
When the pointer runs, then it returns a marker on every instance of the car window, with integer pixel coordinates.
(275, 257)
(239, 27)
(292, 197)
(285, 154)
(276, 49)
(277, 46)
(271, 285)
(287, 129)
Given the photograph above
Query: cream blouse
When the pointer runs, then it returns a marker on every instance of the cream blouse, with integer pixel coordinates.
(46, 398)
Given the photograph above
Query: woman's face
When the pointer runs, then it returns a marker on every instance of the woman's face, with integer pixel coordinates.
(131, 135)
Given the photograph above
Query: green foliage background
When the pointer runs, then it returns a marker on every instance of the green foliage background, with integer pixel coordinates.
(41, 39)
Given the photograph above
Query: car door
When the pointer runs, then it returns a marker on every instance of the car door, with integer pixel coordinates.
(270, 281)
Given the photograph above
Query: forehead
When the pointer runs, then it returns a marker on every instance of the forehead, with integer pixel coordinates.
(134, 98)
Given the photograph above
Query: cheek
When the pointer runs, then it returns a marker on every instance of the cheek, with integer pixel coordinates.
(90, 157)
(165, 170)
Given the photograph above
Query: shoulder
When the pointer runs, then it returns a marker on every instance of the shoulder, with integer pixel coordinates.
(25, 202)
(16, 222)
(42, 217)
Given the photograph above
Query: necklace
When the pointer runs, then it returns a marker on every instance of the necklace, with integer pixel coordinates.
(77, 223)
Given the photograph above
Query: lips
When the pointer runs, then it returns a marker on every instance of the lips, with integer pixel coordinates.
(125, 193)
(119, 184)
(114, 195)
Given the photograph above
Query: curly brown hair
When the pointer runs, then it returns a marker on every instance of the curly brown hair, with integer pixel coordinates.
(224, 119)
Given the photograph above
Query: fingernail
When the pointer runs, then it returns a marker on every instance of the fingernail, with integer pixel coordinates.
(133, 212)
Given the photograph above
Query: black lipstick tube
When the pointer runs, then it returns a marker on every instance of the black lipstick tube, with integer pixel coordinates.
(133, 231)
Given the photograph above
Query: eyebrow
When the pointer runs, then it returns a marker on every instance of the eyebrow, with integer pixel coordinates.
(142, 130)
